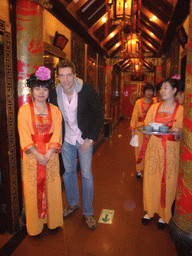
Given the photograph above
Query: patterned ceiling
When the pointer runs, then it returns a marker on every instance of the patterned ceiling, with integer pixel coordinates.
(85, 17)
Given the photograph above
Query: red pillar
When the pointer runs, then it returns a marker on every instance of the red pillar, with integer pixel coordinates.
(180, 225)
(158, 73)
(29, 19)
(29, 43)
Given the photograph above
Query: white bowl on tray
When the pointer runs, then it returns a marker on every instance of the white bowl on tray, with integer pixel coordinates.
(155, 126)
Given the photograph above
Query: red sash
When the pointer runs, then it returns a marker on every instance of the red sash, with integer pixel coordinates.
(141, 119)
(40, 141)
(142, 150)
(164, 138)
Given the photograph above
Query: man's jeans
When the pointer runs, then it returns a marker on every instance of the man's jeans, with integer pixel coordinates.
(69, 155)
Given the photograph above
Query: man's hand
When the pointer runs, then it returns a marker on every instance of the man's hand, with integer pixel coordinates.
(85, 146)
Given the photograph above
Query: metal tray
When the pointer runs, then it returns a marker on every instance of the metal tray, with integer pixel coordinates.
(154, 133)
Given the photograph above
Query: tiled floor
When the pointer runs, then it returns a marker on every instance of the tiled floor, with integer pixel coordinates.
(115, 188)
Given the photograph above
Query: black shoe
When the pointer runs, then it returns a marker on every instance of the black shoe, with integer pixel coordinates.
(138, 176)
(36, 236)
(161, 225)
(53, 231)
(145, 221)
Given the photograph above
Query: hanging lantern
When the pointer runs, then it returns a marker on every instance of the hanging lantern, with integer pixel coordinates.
(137, 65)
(122, 11)
(133, 45)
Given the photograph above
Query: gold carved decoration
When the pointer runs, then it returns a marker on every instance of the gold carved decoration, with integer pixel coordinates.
(187, 174)
(184, 222)
(187, 138)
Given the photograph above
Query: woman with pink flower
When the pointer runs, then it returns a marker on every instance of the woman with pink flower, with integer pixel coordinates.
(40, 132)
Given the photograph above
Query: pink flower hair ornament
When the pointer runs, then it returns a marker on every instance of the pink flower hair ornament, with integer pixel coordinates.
(43, 73)
(177, 77)
(42, 77)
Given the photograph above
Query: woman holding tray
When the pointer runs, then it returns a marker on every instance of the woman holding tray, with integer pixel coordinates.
(137, 120)
(40, 132)
(162, 156)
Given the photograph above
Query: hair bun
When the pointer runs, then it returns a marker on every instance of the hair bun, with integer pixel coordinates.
(31, 80)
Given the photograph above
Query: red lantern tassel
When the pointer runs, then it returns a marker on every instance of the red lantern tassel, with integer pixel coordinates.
(122, 43)
(124, 54)
(131, 45)
(107, 22)
(139, 4)
(134, 17)
(106, 30)
(124, 14)
(109, 17)
(138, 23)
(119, 33)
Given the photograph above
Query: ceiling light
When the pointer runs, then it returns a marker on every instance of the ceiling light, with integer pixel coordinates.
(104, 19)
(153, 18)
(112, 34)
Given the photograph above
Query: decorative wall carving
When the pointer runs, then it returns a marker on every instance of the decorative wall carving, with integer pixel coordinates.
(78, 54)
(9, 108)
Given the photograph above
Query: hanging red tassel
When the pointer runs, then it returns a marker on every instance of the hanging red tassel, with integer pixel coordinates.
(124, 13)
(124, 55)
(119, 33)
(134, 16)
(106, 23)
(139, 14)
(138, 22)
(109, 17)
(139, 4)
(106, 30)
(140, 44)
(131, 45)
(122, 42)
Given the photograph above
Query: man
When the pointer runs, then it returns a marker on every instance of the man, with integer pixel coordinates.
(82, 113)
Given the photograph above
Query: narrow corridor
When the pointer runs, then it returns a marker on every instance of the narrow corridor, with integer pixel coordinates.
(115, 188)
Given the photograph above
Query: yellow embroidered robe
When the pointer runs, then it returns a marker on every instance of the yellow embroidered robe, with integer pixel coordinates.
(154, 167)
(137, 120)
(53, 181)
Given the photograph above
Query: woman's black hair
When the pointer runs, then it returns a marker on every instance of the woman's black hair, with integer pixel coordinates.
(175, 83)
(148, 86)
(181, 86)
(157, 87)
(33, 81)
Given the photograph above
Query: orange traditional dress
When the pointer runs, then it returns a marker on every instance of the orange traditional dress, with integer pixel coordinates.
(41, 183)
(137, 120)
(161, 164)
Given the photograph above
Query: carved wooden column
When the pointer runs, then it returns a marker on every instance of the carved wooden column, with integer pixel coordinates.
(9, 205)
(180, 225)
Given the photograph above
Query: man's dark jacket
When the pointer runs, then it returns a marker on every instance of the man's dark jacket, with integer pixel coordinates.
(89, 111)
